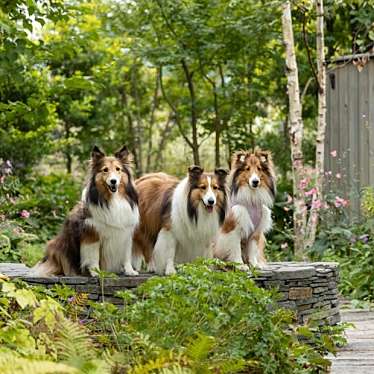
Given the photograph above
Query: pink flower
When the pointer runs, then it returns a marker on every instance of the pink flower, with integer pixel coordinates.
(333, 153)
(2, 178)
(286, 209)
(289, 199)
(284, 245)
(316, 204)
(311, 192)
(24, 214)
(340, 202)
(338, 175)
(303, 183)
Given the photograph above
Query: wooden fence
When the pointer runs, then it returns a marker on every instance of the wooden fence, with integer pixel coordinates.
(349, 147)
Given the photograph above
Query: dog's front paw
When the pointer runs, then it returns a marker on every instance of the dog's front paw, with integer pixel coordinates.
(93, 272)
(129, 270)
(170, 270)
(242, 267)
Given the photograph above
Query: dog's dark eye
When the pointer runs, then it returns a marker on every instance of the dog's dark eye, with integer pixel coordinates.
(215, 187)
(105, 170)
(247, 168)
(203, 187)
(118, 169)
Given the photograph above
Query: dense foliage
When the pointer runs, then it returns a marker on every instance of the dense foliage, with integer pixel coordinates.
(208, 318)
(205, 77)
(352, 246)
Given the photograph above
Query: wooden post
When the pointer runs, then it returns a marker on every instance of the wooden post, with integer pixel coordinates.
(295, 131)
(321, 127)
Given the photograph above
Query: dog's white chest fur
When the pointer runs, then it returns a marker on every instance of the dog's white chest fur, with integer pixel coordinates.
(193, 238)
(115, 225)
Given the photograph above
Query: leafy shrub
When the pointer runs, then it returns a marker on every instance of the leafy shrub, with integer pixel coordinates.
(32, 212)
(352, 246)
(207, 315)
(208, 318)
(36, 336)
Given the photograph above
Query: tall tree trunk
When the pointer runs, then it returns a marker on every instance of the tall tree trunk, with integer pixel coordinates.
(138, 128)
(296, 130)
(155, 103)
(225, 116)
(67, 152)
(163, 138)
(176, 114)
(217, 116)
(191, 89)
(321, 127)
(130, 127)
(217, 129)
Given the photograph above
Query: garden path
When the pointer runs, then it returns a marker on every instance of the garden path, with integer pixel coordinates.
(357, 357)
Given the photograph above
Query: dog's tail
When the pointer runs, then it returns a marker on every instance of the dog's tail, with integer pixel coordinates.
(46, 268)
(55, 262)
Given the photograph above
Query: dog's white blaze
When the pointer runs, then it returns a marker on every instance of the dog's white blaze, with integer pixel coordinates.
(254, 177)
(113, 176)
(115, 225)
(209, 193)
(187, 239)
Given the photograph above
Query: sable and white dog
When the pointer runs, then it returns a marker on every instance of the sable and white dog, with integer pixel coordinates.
(179, 219)
(98, 232)
(252, 192)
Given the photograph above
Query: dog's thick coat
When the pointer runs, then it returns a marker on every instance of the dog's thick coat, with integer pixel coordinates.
(179, 219)
(98, 232)
(252, 191)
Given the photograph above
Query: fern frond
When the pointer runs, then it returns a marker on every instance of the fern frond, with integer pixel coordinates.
(199, 348)
(12, 364)
(152, 366)
(80, 299)
(73, 341)
(176, 370)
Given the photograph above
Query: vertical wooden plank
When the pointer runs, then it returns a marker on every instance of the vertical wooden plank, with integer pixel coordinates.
(334, 138)
(363, 121)
(327, 164)
(354, 137)
(371, 121)
(343, 175)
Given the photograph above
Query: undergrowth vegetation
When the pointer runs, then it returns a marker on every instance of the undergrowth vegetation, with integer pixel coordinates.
(208, 318)
(352, 246)
(31, 212)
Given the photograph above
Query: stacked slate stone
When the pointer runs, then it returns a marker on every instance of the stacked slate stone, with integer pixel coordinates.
(310, 289)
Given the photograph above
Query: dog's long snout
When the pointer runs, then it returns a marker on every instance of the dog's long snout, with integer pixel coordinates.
(254, 181)
(211, 201)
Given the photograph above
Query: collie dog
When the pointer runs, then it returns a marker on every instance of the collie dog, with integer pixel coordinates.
(252, 192)
(179, 219)
(98, 232)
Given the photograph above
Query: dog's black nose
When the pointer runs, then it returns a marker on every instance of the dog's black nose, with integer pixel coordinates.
(255, 182)
(210, 201)
(113, 181)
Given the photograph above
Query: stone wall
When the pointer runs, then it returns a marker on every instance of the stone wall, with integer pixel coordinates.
(310, 289)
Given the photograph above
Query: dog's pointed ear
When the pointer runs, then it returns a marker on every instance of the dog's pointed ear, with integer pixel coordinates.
(238, 159)
(194, 172)
(221, 174)
(265, 156)
(122, 154)
(96, 154)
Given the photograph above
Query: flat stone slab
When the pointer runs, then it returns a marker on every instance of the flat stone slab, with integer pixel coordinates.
(358, 355)
(308, 288)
